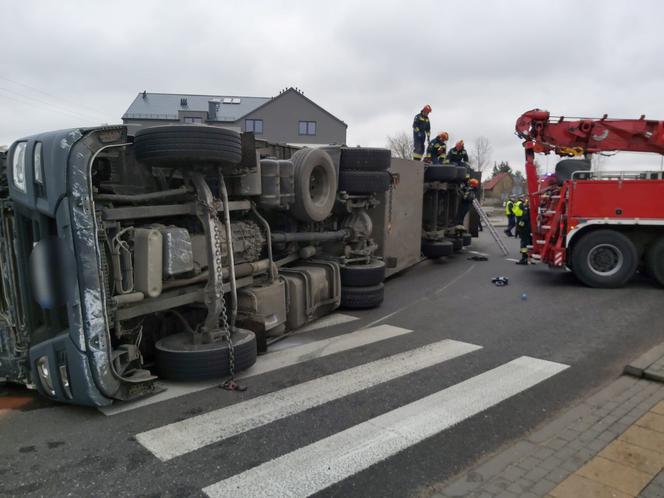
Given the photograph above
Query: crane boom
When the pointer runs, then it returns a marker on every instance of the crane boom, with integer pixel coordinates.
(545, 134)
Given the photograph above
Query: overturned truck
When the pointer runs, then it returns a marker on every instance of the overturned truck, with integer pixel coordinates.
(178, 252)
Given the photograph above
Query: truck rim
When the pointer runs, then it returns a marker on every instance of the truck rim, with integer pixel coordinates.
(605, 260)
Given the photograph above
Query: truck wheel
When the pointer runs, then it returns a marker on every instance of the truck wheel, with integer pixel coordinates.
(364, 182)
(462, 172)
(178, 145)
(655, 260)
(365, 159)
(457, 244)
(433, 249)
(467, 239)
(440, 173)
(315, 185)
(566, 167)
(363, 275)
(361, 298)
(604, 259)
(179, 359)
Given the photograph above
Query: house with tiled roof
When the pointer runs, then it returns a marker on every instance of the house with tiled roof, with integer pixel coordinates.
(289, 118)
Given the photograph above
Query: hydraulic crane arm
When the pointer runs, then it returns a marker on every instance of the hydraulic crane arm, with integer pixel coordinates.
(544, 133)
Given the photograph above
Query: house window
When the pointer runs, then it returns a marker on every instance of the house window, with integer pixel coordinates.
(307, 128)
(254, 125)
(192, 120)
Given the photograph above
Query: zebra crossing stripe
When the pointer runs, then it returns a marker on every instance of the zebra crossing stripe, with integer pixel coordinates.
(188, 435)
(269, 362)
(319, 465)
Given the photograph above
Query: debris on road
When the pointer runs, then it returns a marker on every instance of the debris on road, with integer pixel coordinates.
(500, 281)
(479, 257)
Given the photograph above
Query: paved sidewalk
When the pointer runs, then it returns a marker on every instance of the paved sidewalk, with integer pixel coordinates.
(610, 445)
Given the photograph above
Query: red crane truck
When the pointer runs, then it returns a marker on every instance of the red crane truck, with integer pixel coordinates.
(604, 226)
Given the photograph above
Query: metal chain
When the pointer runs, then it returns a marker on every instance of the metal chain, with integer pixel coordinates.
(389, 208)
(219, 291)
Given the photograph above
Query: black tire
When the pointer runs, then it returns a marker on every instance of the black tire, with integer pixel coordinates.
(364, 182)
(566, 167)
(180, 145)
(467, 239)
(462, 173)
(440, 173)
(315, 185)
(179, 359)
(604, 259)
(655, 261)
(457, 244)
(361, 298)
(363, 275)
(365, 159)
(433, 249)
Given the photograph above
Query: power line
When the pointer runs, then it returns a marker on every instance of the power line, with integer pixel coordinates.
(40, 104)
(69, 102)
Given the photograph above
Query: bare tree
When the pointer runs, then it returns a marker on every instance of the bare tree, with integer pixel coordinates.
(401, 145)
(480, 153)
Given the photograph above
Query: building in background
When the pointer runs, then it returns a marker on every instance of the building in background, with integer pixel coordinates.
(289, 118)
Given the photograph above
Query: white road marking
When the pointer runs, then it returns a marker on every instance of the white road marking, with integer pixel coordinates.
(193, 433)
(268, 363)
(423, 298)
(512, 259)
(327, 321)
(319, 465)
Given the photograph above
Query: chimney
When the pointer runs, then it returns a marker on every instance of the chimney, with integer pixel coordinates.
(213, 106)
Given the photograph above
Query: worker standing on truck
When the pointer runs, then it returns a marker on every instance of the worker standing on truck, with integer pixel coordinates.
(421, 131)
(458, 154)
(467, 196)
(511, 218)
(523, 231)
(437, 150)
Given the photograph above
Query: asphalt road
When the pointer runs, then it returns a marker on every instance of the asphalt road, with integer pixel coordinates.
(53, 450)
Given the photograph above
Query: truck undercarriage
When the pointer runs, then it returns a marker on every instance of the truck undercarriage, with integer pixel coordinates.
(179, 252)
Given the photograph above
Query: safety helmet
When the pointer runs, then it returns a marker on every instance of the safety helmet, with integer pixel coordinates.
(474, 182)
(426, 108)
(459, 144)
(443, 136)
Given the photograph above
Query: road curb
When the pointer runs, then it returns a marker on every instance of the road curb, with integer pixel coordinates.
(650, 365)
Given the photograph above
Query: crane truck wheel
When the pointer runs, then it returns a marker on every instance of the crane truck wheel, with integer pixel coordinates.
(178, 358)
(440, 173)
(365, 159)
(315, 185)
(434, 249)
(655, 261)
(360, 298)
(364, 182)
(363, 275)
(180, 145)
(604, 259)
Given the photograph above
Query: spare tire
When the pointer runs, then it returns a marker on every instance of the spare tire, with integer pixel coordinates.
(566, 167)
(178, 145)
(179, 359)
(363, 275)
(364, 182)
(440, 173)
(315, 181)
(433, 249)
(365, 159)
(360, 298)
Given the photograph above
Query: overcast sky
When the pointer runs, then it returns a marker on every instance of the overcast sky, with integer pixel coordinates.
(374, 64)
